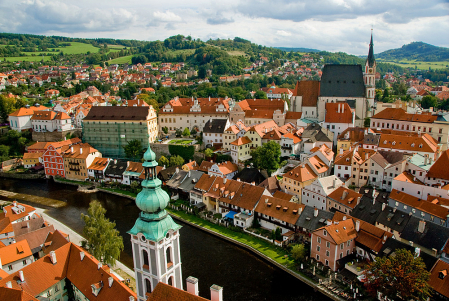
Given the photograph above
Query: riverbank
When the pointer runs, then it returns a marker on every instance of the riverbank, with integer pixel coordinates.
(265, 250)
(32, 198)
(76, 238)
(21, 175)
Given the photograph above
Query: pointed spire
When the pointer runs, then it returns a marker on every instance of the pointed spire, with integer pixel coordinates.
(370, 59)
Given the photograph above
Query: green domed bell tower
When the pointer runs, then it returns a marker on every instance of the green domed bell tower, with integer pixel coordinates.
(155, 236)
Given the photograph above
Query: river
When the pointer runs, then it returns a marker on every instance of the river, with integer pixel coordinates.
(243, 275)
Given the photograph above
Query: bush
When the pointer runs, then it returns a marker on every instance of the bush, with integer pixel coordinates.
(185, 151)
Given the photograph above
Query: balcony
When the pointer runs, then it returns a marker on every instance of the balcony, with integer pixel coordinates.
(289, 147)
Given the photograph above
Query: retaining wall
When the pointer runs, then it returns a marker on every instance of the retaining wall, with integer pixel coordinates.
(21, 176)
(53, 136)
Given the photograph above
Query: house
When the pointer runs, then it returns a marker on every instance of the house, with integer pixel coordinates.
(338, 118)
(333, 242)
(213, 132)
(50, 121)
(275, 213)
(311, 219)
(114, 171)
(343, 199)
(314, 136)
(422, 144)
(439, 279)
(15, 256)
(296, 179)
(132, 173)
(418, 165)
(192, 165)
(77, 159)
(438, 174)
(271, 184)
(20, 119)
(316, 193)
(188, 183)
(384, 166)
(252, 175)
(241, 150)
(51, 276)
(32, 159)
(96, 170)
(225, 169)
(350, 137)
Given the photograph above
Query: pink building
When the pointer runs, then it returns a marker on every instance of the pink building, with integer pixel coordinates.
(333, 242)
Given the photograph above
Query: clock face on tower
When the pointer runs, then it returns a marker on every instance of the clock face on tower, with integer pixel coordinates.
(370, 70)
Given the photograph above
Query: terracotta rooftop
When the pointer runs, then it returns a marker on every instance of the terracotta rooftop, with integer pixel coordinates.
(337, 112)
(301, 173)
(439, 278)
(345, 196)
(165, 292)
(280, 209)
(438, 169)
(309, 90)
(401, 115)
(341, 231)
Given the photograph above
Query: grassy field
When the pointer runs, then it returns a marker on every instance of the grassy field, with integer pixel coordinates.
(25, 58)
(121, 60)
(236, 53)
(419, 64)
(181, 51)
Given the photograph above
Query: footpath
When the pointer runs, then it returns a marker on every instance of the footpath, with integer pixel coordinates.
(76, 239)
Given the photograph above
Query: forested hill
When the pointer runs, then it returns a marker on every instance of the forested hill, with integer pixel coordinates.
(416, 51)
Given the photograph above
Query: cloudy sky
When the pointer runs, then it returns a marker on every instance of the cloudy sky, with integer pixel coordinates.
(332, 25)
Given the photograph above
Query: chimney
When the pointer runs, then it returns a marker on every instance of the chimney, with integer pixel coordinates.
(417, 252)
(383, 206)
(357, 226)
(225, 180)
(341, 151)
(421, 226)
(71, 149)
(22, 278)
(344, 195)
(53, 257)
(9, 284)
(334, 182)
(425, 160)
(115, 161)
(358, 200)
(315, 212)
(99, 265)
(342, 107)
(192, 285)
(366, 156)
(216, 293)
(81, 150)
(410, 243)
(82, 255)
(110, 281)
(435, 252)
(131, 298)
(344, 217)
(338, 111)
(177, 169)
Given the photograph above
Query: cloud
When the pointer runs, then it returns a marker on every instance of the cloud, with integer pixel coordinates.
(283, 33)
(168, 16)
(219, 20)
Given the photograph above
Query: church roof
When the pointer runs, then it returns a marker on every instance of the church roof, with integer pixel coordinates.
(342, 81)
(370, 59)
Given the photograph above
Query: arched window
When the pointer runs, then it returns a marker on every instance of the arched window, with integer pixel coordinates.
(168, 256)
(170, 281)
(147, 286)
(146, 263)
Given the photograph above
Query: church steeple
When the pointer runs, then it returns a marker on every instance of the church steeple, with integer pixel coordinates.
(155, 236)
(370, 59)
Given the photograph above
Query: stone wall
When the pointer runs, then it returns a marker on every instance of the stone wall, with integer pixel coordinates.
(54, 136)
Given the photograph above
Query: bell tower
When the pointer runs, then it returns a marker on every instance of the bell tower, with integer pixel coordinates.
(369, 77)
(155, 236)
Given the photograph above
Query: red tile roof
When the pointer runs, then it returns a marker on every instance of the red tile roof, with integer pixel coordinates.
(345, 196)
(165, 292)
(338, 113)
(401, 115)
(14, 252)
(439, 278)
(438, 169)
(309, 90)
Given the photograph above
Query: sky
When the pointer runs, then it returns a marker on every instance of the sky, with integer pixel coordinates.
(331, 25)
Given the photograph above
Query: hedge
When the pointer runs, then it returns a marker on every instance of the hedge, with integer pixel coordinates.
(185, 151)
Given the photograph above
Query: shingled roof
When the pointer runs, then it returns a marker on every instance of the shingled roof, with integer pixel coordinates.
(342, 81)
(117, 113)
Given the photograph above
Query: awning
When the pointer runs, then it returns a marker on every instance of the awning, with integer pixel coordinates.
(230, 214)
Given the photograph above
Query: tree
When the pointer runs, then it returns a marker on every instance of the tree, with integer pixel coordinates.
(163, 161)
(298, 252)
(401, 275)
(260, 95)
(103, 241)
(4, 153)
(165, 130)
(429, 101)
(186, 132)
(178, 133)
(202, 72)
(267, 156)
(276, 234)
(7, 106)
(367, 122)
(193, 132)
(208, 152)
(133, 149)
(176, 160)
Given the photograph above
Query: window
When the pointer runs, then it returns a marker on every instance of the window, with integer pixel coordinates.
(10, 267)
(319, 240)
(318, 248)
(341, 246)
(327, 253)
(326, 262)
(317, 257)
(24, 262)
(341, 255)
(324, 232)
(328, 244)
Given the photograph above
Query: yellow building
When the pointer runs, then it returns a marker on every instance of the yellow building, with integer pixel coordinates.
(32, 159)
(77, 159)
(241, 150)
(296, 179)
(351, 137)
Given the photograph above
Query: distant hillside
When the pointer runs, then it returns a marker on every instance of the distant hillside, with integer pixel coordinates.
(416, 51)
(298, 49)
